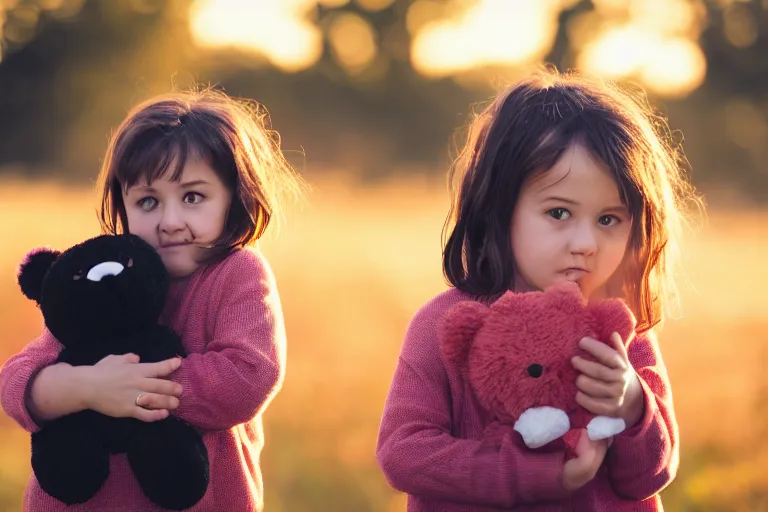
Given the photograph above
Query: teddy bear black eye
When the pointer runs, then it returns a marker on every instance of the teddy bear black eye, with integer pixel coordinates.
(535, 370)
(130, 263)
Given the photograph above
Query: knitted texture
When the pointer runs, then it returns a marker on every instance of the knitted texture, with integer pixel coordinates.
(431, 442)
(230, 321)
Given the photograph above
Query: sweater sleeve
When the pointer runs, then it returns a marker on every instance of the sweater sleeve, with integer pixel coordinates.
(419, 455)
(18, 372)
(643, 460)
(243, 365)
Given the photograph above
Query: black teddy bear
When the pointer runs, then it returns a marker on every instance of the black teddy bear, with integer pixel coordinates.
(101, 297)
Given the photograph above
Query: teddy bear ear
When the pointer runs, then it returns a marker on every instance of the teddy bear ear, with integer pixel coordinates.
(567, 295)
(613, 315)
(458, 329)
(32, 270)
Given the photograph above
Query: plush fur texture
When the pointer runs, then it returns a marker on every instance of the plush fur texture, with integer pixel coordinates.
(101, 297)
(32, 270)
(516, 354)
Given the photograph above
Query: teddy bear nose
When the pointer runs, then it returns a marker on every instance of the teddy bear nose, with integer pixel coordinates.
(535, 370)
(106, 268)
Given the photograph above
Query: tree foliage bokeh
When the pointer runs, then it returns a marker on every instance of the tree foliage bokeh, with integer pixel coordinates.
(71, 68)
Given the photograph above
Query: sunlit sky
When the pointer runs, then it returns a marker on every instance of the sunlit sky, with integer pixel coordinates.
(650, 41)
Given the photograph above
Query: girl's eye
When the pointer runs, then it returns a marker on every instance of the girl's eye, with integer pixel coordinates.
(193, 198)
(608, 220)
(559, 213)
(147, 203)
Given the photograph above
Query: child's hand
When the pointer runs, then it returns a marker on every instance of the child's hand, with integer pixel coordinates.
(120, 386)
(608, 386)
(583, 468)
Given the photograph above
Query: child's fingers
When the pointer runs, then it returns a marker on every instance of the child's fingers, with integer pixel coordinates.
(581, 469)
(154, 401)
(149, 416)
(131, 358)
(603, 353)
(618, 344)
(598, 389)
(161, 368)
(161, 387)
(597, 370)
(601, 407)
(119, 359)
(601, 449)
(582, 445)
(588, 451)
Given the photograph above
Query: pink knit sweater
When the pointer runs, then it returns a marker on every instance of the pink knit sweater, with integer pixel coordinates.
(431, 443)
(230, 321)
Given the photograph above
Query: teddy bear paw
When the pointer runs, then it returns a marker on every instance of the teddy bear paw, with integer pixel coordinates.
(603, 427)
(541, 425)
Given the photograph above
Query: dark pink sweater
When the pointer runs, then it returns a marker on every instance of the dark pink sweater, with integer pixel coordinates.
(431, 446)
(230, 321)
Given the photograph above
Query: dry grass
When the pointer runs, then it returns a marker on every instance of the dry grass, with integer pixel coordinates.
(354, 265)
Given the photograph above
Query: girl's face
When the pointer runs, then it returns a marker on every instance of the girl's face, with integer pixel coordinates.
(180, 219)
(570, 224)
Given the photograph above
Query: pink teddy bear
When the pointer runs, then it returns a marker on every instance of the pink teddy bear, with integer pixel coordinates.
(516, 355)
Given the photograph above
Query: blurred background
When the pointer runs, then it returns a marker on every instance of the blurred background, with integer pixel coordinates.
(371, 98)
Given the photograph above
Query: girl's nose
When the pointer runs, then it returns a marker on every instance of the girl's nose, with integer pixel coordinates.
(171, 220)
(583, 240)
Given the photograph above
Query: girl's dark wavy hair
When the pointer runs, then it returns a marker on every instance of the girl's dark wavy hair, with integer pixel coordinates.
(525, 131)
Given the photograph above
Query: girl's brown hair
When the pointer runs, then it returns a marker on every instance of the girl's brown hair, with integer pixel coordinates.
(524, 131)
(232, 135)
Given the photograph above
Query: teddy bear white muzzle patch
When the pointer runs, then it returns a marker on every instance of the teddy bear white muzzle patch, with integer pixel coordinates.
(541, 425)
(106, 268)
(603, 427)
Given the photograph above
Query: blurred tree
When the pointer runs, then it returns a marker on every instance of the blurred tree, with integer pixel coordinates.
(71, 68)
(62, 90)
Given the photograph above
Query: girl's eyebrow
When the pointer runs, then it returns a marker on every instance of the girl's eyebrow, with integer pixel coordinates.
(187, 184)
(618, 208)
(142, 188)
(560, 200)
(194, 183)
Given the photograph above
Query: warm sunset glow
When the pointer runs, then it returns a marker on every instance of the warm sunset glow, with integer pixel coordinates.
(677, 69)
(488, 33)
(353, 42)
(374, 5)
(277, 30)
(740, 26)
(422, 12)
(332, 3)
(653, 43)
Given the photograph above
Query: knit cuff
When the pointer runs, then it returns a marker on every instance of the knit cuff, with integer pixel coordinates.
(15, 396)
(541, 478)
(646, 420)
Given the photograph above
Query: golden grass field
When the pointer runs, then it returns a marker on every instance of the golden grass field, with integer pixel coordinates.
(353, 264)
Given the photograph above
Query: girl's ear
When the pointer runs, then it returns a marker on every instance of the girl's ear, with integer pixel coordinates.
(32, 271)
(458, 329)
